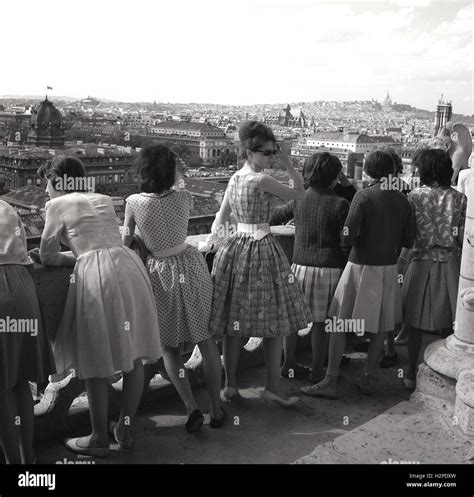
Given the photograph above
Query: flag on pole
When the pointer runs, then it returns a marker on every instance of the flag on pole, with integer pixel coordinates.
(49, 87)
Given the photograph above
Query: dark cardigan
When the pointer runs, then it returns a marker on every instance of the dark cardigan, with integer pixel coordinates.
(319, 219)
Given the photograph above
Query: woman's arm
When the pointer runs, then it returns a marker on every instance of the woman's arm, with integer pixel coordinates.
(222, 217)
(353, 223)
(50, 247)
(128, 226)
(271, 185)
(283, 213)
(296, 180)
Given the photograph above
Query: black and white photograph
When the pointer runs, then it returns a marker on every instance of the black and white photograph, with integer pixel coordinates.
(237, 248)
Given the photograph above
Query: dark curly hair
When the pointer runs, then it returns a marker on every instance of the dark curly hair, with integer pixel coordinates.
(157, 166)
(321, 169)
(61, 169)
(379, 164)
(253, 135)
(433, 164)
(396, 159)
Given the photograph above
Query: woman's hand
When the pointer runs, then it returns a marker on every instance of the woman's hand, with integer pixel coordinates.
(35, 255)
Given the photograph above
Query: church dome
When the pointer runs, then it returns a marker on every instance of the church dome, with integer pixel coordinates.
(46, 125)
(45, 114)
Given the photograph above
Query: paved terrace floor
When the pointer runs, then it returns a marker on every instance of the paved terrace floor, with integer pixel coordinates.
(255, 432)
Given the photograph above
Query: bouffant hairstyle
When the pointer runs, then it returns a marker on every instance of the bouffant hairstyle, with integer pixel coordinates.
(379, 164)
(61, 169)
(157, 167)
(253, 135)
(433, 164)
(321, 169)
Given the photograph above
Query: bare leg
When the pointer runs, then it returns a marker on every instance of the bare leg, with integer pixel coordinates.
(8, 430)
(390, 345)
(25, 409)
(415, 337)
(98, 397)
(319, 345)
(177, 372)
(211, 361)
(289, 350)
(231, 349)
(272, 352)
(337, 343)
(375, 349)
(133, 383)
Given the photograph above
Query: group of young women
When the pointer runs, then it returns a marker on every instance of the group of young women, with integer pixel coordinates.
(121, 313)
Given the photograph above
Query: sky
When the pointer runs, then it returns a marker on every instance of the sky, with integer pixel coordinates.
(241, 51)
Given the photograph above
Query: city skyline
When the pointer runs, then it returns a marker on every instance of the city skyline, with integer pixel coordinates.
(259, 52)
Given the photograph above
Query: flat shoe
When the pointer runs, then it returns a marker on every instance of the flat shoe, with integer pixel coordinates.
(218, 422)
(317, 391)
(388, 361)
(229, 394)
(195, 421)
(71, 444)
(270, 397)
(125, 443)
(299, 371)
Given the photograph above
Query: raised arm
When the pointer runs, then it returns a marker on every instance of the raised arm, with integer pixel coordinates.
(271, 185)
(50, 247)
(223, 216)
(128, 226)
(296, 180)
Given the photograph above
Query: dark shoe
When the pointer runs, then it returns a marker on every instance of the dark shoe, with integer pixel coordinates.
(125, 443)
(361, 346)
(195, 421)
(388, 361)
(218, 422)
(299, 371)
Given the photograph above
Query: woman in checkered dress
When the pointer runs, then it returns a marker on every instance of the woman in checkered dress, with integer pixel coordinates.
(318, 255)
(255, 293)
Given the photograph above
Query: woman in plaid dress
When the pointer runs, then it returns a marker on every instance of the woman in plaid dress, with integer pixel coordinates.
(255, 292)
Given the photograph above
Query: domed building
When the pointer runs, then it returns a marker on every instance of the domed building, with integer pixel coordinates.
(46, 126)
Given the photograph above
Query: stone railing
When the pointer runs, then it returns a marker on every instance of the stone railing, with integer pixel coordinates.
(63, 406)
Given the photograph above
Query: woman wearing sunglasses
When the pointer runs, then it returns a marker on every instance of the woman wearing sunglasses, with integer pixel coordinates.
(255, 293)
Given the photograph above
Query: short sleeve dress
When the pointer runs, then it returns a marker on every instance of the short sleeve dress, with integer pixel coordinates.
(255, 291)
(178, 272)
(109, 320)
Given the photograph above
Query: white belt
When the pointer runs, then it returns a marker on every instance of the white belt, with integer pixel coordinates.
(169, 252)
(258, 231)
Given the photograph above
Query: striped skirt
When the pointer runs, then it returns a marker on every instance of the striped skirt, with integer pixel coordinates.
(318, 285)
(430, 293)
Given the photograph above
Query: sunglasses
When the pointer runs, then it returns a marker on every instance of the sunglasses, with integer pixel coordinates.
(267, 153)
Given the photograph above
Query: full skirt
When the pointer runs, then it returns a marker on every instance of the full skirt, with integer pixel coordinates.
(25, 352)
(110, 318)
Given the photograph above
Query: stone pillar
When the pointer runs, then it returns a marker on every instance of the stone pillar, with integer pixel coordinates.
(454, 357)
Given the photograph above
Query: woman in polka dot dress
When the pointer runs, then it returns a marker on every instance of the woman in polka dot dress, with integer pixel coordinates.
(179, 275)
(255, 292)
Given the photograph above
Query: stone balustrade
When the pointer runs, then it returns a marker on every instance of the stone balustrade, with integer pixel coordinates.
(59, 409)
